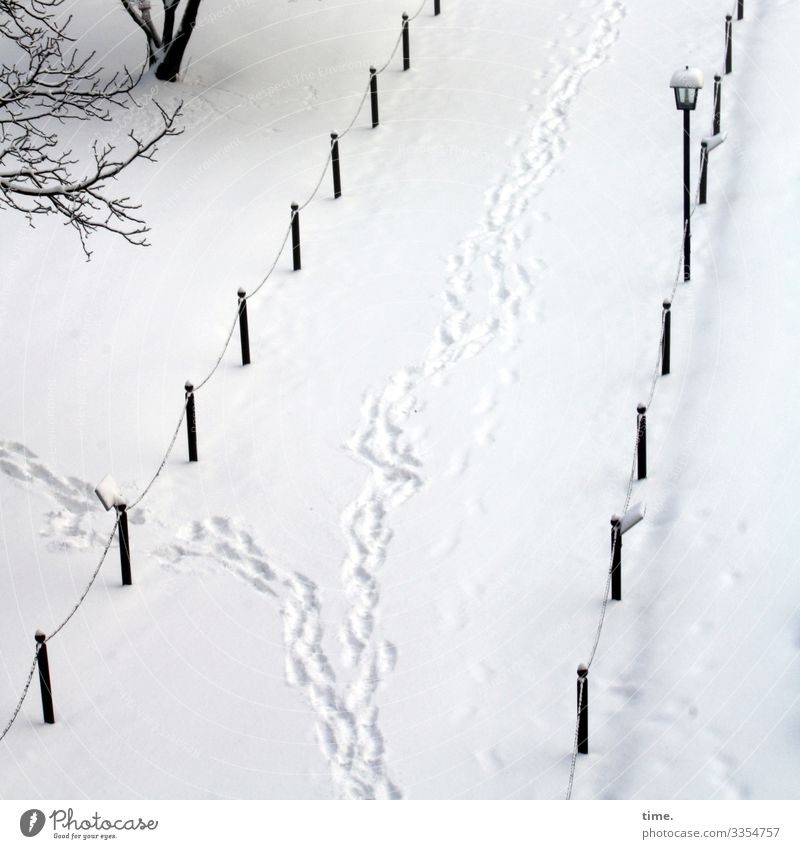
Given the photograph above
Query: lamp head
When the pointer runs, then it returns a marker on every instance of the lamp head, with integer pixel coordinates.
(686, 83)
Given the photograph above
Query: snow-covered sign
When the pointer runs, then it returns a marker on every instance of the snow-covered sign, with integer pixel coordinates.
(108, 493)
(687, 78)
(633, 517)
(714, 141)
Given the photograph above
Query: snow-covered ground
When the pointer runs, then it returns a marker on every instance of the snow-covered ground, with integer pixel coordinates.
(380, 577)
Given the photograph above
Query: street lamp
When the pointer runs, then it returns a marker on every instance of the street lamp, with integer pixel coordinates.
(686, 83)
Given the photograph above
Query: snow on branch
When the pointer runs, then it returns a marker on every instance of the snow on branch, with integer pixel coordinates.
(44, 83)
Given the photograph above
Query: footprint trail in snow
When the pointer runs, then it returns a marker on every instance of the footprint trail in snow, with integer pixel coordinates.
(382, 442)
(346, 739)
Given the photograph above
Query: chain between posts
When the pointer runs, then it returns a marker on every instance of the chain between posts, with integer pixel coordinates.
(632, 477)
(199, 386)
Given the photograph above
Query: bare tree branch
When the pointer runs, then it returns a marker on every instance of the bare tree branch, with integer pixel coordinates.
(43, 84)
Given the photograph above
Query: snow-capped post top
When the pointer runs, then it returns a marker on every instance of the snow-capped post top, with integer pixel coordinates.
(686, 82)
(108, 493)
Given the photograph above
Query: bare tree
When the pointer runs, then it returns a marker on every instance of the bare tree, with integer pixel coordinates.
(165, 49)
(45, 84)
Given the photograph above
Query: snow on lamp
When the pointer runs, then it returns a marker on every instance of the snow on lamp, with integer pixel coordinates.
(686, 83)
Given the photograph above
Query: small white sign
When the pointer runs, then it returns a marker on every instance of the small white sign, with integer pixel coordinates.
(714, 141)
(633, 517)
(108, 493)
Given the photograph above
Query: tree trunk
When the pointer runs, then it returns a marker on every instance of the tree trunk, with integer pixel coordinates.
(170, 66)
(170, 10)
(151, 46)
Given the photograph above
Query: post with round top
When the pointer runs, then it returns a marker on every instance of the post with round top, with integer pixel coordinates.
(373, 90)
(728, 44)
(337, 174)
(703, 172)
(244, 329)
(406, 44)
(191, 421)
(43, 663)
(583, 709)
(616, 558)
(641, 440)
(665, 336)
(124, 545)
(296, 261)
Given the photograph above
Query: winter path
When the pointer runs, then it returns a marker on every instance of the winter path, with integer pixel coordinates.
(484, 297)
(380, 576)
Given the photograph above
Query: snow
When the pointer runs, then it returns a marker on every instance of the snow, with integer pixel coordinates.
(382, 574)
(687, 78)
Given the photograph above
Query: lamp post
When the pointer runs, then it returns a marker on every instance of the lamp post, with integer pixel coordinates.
(686, 83)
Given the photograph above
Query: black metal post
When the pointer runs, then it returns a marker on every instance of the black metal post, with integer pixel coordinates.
(728, 44)
(437, 10)
(373, 90)
(665, 339)
(337, 174)
(717, 103)
(739, 9)
(296, 237)
(703, 172)
(583, 709)
(641, 443)
(244, 329)
(124, 545)
(406, 45)
(191, 422)
(687, 201)
(616, 558)
(44, 678)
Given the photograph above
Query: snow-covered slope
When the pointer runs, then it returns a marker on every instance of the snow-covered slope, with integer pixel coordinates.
(380, 577)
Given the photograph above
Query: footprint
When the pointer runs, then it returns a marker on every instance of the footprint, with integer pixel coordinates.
(486, 402)
(459, 463)
(68, 527)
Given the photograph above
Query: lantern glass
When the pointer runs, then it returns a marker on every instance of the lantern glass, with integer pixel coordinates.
(685, 97)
